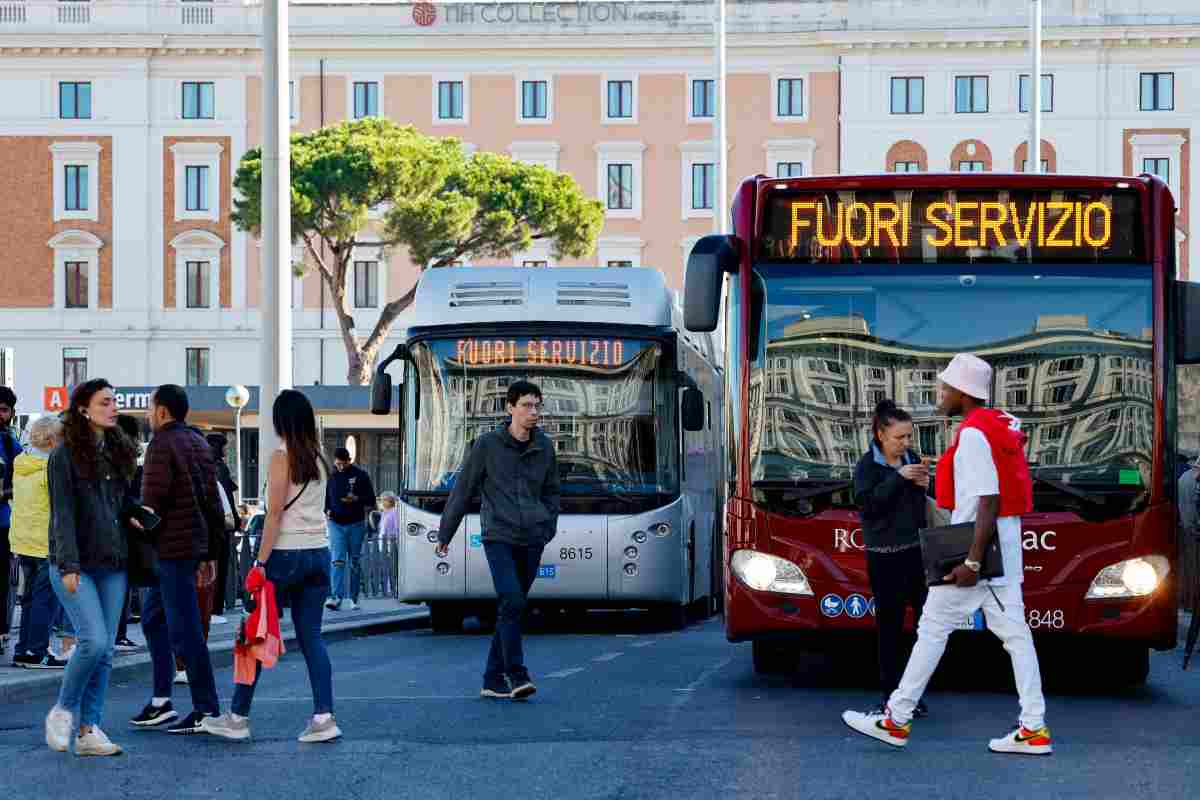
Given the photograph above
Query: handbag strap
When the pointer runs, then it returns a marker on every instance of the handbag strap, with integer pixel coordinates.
(292, 502)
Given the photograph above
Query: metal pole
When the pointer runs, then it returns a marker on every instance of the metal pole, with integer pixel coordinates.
(720, 214)
(1034, 153)
(275, 350)
(237, 426)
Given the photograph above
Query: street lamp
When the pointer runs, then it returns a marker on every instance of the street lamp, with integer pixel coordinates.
(237, 397)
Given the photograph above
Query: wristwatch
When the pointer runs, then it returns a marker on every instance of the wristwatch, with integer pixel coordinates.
(974, 566)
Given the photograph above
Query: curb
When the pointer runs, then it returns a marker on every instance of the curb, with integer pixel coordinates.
(39, 683)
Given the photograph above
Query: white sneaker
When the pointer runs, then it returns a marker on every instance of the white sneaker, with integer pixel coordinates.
(321, 731)
(227, 726)
(217, 619)
(58, 729)
(95, 743)
(351, 605)
(333, 604)
(879, 725)
(1023, 741)
(181, 677)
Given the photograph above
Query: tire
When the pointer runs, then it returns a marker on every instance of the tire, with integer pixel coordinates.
(773, 658)
(445, 618)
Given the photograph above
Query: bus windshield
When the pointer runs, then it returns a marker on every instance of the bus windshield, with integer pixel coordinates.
(1070, 347)
(608, 406)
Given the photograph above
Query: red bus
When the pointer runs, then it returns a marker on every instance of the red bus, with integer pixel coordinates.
(840, 291)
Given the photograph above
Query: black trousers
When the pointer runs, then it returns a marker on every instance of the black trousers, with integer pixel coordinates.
(7, 599)
(222, 585)
(898, 583)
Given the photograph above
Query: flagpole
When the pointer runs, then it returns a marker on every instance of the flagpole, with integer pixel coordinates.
(1034, 153)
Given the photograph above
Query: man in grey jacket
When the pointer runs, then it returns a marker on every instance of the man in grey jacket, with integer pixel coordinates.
(517, 471)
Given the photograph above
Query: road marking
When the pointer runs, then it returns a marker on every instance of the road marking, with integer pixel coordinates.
(372, 699)
(565, 673)
(608, 657)
(643, 644)
(685, 693)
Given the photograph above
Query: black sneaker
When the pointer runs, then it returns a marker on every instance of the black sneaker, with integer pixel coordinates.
(152, 715)
(29, 661)
(921, 711)
(495, 690)
(523, 689)
(126, 645)
(189, 724)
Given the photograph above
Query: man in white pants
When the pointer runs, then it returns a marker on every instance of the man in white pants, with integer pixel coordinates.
(984, 478)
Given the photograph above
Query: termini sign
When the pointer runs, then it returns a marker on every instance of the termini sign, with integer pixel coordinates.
(56, 398)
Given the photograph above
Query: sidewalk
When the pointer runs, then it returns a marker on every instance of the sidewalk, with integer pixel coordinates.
(373, 616)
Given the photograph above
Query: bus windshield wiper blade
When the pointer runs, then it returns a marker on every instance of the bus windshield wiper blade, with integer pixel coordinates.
(803, 490)
(1068, 489)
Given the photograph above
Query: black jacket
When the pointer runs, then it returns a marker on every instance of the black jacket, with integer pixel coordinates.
(179, 482)
(893, 508)
(86, 516)
(354, 482)
(519, 488)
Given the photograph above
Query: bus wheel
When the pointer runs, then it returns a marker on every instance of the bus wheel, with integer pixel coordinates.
(773, 658)
(445, 618)
(672, 616)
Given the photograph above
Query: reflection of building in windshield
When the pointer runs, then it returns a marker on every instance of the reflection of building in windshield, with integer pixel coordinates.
(602, 420)
(1084, 396)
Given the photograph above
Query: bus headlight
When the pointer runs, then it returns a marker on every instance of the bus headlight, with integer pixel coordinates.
(662, 529)
(767, 573)
(639, 537)
(1135, 577)
(415, 529)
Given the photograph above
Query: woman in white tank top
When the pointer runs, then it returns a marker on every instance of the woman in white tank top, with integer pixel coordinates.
(294, 552)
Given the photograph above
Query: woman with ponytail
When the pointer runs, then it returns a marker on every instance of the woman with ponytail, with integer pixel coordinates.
(890, 484)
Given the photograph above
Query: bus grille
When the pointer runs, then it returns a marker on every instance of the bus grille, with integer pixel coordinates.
(492, 293)
(593, 293)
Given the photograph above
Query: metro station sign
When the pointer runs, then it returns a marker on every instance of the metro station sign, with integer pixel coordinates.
(57, 398)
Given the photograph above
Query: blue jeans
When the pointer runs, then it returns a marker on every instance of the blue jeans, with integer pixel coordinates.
(38, 607)
(346, 543)
(95, 611)
(302, 577)
(513, 572)
(171, 623)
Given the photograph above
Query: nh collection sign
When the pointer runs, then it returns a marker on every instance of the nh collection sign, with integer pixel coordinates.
(599, 12)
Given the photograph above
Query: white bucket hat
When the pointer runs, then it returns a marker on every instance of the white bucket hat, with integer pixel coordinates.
(970, 374)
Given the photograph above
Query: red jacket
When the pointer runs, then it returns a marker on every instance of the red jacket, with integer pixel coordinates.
(1007, 441)
(260, 639)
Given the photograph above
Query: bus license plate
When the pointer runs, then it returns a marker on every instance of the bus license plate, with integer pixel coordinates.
(548, 571)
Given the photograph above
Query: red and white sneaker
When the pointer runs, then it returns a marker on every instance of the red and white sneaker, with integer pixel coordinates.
(1023, 741)
(878, 725)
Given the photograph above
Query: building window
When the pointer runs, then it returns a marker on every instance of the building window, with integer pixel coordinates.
(620, 186)
(196, 178)
(620, 263)
(971, 94)
(908, 95)
(1044, 161)
(75, 366)
(702, 186)
(198, 284)
(620, 99)
(1158, 91)
(75, 100)
(1018, 397)
(1063, 393)
(535, 263)
(450, 99)
(533, 99)
(876, 374)
(76, 177)
(291, 99)
(789, 169)
(366, 284)
(1158, 166)
(906, 166)
(197, 366)
(927, 439)
(1025, 92)
(970, 166)
(366, 99)
(704, 98)
(77, 284)
(790, 97)
(198, 100)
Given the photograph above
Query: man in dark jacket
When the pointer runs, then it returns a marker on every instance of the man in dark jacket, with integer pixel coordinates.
(349, 497)
(180, 484)
(10, 448)
(517, 471)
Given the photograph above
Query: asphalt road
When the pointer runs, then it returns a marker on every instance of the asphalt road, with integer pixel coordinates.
(623, 712)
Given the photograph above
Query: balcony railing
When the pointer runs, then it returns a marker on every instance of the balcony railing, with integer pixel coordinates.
(228, 17)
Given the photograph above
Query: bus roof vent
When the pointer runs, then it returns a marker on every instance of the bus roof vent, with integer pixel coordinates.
(594, 293)
(487, 293)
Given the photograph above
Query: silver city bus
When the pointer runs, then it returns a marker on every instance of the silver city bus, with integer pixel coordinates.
(632, 403)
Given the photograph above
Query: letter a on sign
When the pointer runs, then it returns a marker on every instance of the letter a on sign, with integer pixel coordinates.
(54, 398)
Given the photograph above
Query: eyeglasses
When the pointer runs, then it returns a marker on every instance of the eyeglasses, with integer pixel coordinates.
(530, 406)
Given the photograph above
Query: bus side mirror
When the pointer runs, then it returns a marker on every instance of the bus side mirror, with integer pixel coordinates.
(381, 393)
(693, 409)
(711, 257)
(1187, 332)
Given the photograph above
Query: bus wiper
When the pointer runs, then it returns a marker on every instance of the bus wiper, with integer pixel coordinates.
(806, 489)
(1068, 489)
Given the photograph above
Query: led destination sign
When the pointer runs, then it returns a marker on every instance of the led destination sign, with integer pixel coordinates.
(931, 225)
(557, 352)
